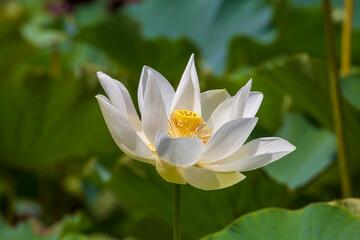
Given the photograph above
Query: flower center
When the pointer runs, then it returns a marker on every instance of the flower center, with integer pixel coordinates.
(185, 123)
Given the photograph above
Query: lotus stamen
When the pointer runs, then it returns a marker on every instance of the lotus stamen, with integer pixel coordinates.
(185, 123)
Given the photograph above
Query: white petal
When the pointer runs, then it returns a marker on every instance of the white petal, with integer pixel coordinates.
(232, 108)
(181, 152)
(221, 115)
(229, 138)
(254, 154)
(154, 116)
(209, 180)
(167, 91)
(132, 115)
(252, 104)
(120, 98)
(114, 93)
(169, 172)
(210, 100)
(123, 134)
(240, 101)
(187, 95)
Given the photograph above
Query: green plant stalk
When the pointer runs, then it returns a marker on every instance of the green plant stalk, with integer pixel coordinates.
(346, 39)
(336, 101)
(177, 225)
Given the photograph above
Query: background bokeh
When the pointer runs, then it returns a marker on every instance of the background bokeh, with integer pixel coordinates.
(61, 174)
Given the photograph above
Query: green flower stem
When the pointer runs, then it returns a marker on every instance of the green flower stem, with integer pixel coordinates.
(177, 226)
(336, 101)
(346, 39)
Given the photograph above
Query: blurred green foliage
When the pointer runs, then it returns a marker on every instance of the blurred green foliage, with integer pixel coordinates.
(57, 157)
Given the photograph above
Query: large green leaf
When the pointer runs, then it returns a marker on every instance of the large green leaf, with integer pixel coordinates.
(209, 24)
(315, 149)
(314, 222)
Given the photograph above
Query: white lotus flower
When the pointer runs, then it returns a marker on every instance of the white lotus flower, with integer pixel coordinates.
(190, 137)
